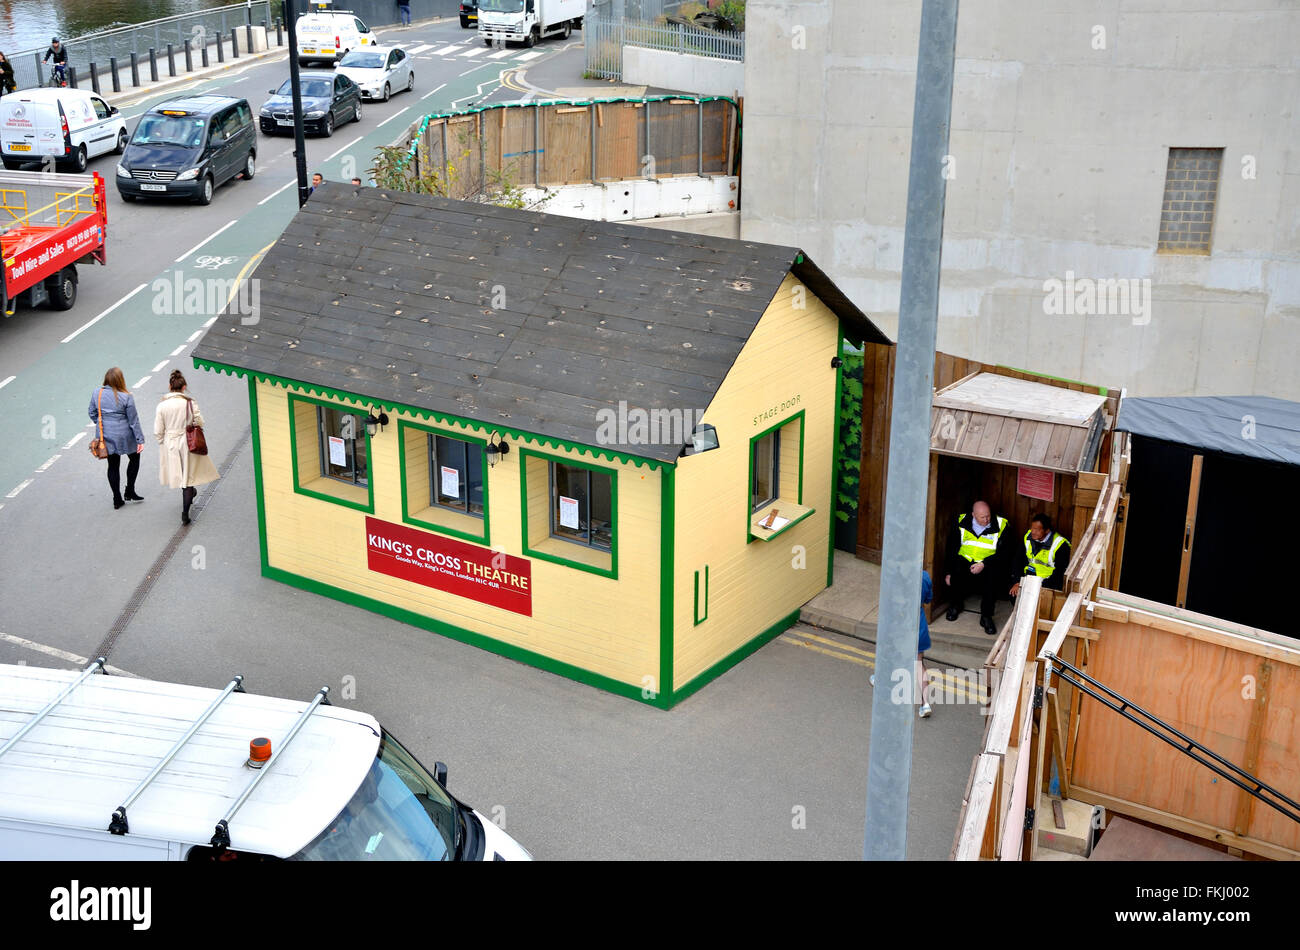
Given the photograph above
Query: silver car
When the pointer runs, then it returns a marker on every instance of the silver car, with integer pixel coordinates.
(378, 72)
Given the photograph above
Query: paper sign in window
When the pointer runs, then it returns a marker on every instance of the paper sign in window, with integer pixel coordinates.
(450, 481)
(338, 451)
(568, 512)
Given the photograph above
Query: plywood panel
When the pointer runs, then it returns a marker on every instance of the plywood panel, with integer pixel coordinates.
(1196, 687)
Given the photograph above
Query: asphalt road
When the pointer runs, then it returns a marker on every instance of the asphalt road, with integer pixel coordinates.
(769, 761)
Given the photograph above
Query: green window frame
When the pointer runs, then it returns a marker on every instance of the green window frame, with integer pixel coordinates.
(779, 476)
(468, 460)
(701, 600)
(319, 465)
(469, 525)
(558, 543)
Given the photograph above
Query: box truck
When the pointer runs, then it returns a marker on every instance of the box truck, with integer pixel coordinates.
(527, 21)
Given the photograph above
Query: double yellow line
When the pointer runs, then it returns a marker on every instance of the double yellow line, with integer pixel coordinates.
(951, 685)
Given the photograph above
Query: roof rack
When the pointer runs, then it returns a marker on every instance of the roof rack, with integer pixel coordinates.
(221, 837)
(96, 666)
(118, 825)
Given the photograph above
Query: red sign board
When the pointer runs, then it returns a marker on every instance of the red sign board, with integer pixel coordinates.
(467, 570)
(1036, 483)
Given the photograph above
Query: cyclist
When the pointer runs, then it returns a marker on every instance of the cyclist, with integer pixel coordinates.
(60, 55)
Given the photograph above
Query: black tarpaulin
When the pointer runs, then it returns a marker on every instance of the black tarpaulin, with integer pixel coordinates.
(1259, 427)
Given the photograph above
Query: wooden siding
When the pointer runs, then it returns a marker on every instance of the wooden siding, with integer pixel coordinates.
(753, 585)
(605, 626)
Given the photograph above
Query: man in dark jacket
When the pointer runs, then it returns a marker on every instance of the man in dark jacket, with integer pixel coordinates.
(977, 562)
(1044, 553)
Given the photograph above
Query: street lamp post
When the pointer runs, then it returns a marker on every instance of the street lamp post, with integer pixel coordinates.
(299, 142)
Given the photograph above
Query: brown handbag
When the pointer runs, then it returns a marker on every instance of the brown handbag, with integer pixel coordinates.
(194, 439)
(98, 447)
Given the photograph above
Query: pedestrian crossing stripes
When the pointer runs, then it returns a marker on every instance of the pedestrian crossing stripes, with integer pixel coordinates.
(527, 56)
(446, 50)
(473, 51)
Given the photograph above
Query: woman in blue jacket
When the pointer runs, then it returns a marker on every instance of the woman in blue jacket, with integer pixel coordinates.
(122, 433)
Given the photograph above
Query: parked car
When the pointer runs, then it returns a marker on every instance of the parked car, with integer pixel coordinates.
(188, 148)
(378, 71)
(327, 101)
(69, 125)
(326, 35)
(468, 13)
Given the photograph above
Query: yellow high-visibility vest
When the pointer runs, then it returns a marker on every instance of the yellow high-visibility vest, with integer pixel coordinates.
(977, 547)
(1044, 562)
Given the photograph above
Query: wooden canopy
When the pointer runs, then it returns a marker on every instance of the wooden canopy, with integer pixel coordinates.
(995, 418)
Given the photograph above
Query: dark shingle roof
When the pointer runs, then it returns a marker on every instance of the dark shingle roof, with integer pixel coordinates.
(391, 295)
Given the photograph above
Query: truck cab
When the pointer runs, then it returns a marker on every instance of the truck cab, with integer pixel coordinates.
(528, 21)
(98, 767)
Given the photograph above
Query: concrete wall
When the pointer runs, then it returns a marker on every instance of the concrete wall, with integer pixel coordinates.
(1062, 123)
(683, 72)
(648, 202)
(722, 224)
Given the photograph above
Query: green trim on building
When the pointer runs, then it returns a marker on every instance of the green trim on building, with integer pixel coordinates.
(369, 507)
(255, 428)
(667, 581)
(785, 527)
(749, 484)
(731, 659)
(613, 473)
(402, 426)
(835, 458)
(1101, 390)
(437, 417)
(698, 619)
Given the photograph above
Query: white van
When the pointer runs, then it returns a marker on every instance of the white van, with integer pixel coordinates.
(97, 767)
(324, 36)
(72, 125)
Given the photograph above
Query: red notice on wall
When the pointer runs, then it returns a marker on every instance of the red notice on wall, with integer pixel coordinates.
(446, 564)
(1036, 483)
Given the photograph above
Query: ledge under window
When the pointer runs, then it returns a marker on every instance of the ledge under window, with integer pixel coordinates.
(582, 556)
(448, 521)
(788, 510)
(332, 489)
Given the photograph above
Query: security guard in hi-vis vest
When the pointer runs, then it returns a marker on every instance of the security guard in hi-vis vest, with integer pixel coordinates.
(1045, 553)
(977, 562)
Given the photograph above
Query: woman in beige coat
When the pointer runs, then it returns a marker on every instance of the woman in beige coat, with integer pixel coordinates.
(177, 468)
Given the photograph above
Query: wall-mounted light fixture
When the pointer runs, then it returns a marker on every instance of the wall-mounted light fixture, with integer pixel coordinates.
(374, 422)
(836, 362)
(703, 439)
(496, 448)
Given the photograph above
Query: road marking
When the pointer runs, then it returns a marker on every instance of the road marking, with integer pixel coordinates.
(479, 90)
(344, 148)
(61, 654)
(49, 462)
(142, 382)
(446, 50)
(204, 241)
(194, 336)
(393, 116)
(212, 320)
(833, 643)
(6, 382)
(75, 439)
(430, 92)
(423, 47)
(14, 493)
(839, 656)
(527, 56)
(74, 333)
(500, 54)
(179, 350)
(473, 51)
(952, 683)
(161, 365)
(277, 191)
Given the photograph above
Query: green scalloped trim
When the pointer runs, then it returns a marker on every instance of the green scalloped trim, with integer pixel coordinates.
(438, 417)
(424, 124)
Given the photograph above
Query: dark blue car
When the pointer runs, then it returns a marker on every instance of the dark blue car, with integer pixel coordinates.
(328, 101)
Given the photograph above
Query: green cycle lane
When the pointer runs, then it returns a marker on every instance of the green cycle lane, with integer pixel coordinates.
(44, 407)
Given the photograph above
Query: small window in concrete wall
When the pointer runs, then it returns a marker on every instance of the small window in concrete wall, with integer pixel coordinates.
(570, 512)
(1190, 200)
(444, 485)
(775, 489)
(331, 452)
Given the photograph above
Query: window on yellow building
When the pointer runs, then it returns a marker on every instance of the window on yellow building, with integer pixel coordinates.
(331, 453)
(444, 480)
(342, 446)
(581, 505)
(456, 474)
(570, 512)
(776, 480)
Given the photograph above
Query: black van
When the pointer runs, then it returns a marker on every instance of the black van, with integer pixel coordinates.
(186, 148)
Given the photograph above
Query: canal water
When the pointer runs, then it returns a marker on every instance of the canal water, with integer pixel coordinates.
(29, 24)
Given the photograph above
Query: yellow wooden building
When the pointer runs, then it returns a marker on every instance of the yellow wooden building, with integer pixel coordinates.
(541, 435)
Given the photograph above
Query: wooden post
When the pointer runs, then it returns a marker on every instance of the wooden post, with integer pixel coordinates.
(1254, 737)
(1189, 530)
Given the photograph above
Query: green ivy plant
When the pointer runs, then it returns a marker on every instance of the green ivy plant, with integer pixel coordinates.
(846, 485)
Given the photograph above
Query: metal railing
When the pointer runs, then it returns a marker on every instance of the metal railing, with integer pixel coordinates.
(203, 29)
(605, 37)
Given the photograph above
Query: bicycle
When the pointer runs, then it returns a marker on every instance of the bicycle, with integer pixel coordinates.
(58, 76)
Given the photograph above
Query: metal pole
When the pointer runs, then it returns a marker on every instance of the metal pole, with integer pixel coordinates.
(94, 79)
(96, 666)
(171, 61)
(72, 76)
(234, 43)
(189, 57)
(890, 761)
(135, 69)
(112, 68)
(204, 53)
(221, 55)
(153, 64)
(537, 144)
(299, 141)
